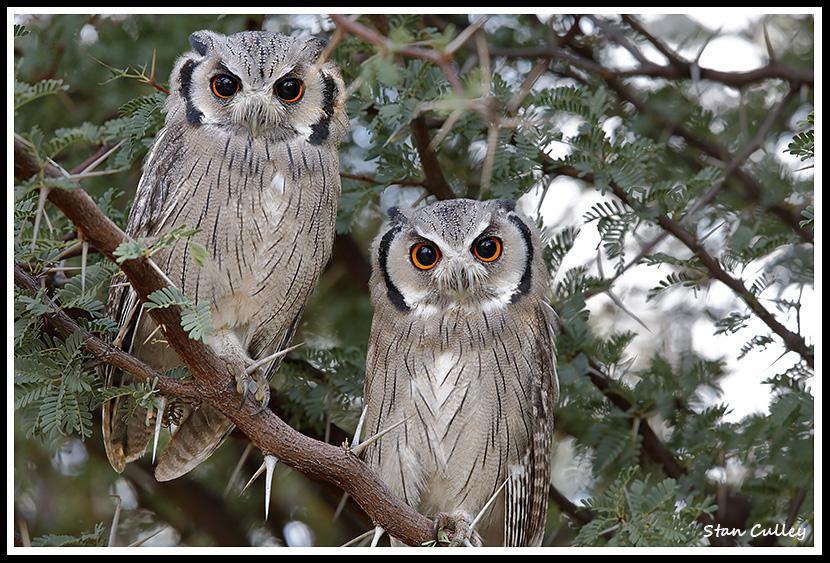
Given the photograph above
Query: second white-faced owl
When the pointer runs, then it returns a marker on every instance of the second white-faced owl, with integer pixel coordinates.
(462, 348)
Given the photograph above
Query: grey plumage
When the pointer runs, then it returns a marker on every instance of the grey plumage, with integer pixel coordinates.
(466, 348)
(259, 176)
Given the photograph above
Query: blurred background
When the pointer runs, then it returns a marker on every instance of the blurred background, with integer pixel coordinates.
(541, 96)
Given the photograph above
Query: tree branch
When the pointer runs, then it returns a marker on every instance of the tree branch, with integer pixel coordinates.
(214, 377)
(435, 182)
(371, 180)
(681, 68)
(580, 515)
(752, 190)
(737, 79)
(438, 58)
(792, 341)
(105, 351)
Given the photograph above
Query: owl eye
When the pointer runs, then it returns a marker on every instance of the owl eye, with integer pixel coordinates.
(289, 89)
(487, 249)
(425, 255)
(224, 85)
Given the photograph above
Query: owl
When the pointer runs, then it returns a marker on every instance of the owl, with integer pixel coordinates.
(462, 350)
(248, 158)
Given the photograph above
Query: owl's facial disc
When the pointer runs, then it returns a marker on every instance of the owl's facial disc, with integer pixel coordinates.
(259, 83)
(477, 260)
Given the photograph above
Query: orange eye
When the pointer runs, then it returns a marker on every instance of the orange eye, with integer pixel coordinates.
(425, 255)
(224, 86)
(487, 249)
(289, 89)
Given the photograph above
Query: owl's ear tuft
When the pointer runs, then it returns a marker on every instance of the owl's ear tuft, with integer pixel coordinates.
(395, 214)
(506, 205)
(316, 46)
(399, 215)
(202, 41)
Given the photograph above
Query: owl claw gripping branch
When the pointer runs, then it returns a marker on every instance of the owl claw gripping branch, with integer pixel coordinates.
(248, 157)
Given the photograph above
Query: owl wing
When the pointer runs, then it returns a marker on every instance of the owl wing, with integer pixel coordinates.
(526, 492)
(205, 428)
(127, 431)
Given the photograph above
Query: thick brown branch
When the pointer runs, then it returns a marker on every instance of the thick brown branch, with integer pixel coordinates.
(214, 379)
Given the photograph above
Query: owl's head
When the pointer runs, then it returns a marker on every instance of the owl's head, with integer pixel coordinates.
(258, 82)
(479, 255)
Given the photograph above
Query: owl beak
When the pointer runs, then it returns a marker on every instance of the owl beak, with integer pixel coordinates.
(457, 276)
(257, 111)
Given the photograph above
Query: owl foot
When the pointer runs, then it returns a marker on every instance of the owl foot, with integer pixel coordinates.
(255, 386)
(254, 380)
(454, 530)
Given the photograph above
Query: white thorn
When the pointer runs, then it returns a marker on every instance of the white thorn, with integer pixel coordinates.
(125, 325)
(160, 272)
(68, 250)
(253, 367)
(93, 165)
(152, 334)
(359, 429)
(238, 468)
(467, 543)
(159, 417)
(378, 534)
(480, 515)
(114, 525)
(270, 464)
(41, 203)
(135, 330)
(256, 474)
(84, 249)
(142, 541)
(340, 506)
(362, 447)
(359, 538)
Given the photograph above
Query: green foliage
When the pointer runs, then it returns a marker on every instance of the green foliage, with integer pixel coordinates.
(54, 389)
(644, 512)
(94, 538)
(196, 319)
(26, 93)
(141, 118)
(803, 144)
(321, 386)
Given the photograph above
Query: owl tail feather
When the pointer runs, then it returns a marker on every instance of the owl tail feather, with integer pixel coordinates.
(194, 441)
(125, 437)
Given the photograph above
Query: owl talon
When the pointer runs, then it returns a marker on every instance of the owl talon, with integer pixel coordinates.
(454, 530)
(256, 387)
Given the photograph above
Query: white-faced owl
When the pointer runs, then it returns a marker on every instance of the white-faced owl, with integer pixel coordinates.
(462, 348)
(248, 157)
